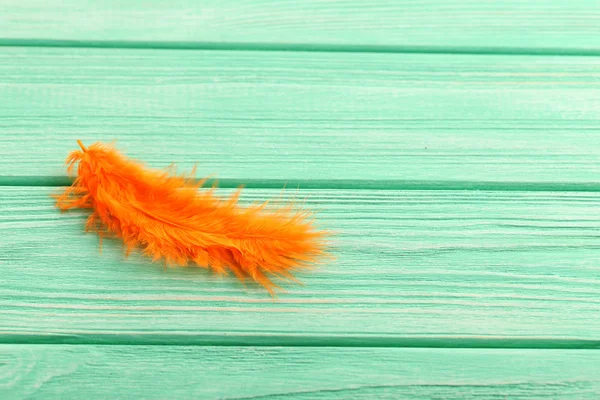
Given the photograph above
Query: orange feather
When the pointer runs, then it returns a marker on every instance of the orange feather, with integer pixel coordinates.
(173, 219)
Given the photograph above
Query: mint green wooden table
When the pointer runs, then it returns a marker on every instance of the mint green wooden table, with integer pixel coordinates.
(453, 144)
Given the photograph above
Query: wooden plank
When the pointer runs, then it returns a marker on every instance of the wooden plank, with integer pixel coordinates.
(465, 264)
(536, 24)
(149, 372)
(299, 117)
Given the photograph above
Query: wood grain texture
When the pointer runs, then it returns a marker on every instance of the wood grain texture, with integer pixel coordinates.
(536, 24)
(410, 264)
(303, 117)
(180, 372)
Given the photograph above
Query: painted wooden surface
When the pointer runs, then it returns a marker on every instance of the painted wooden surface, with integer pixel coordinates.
(300, 118)
(556, 26)
(411, 265)
(41, 372)
(453, 145)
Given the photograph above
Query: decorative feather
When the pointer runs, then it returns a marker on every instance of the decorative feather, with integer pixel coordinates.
(172, 219)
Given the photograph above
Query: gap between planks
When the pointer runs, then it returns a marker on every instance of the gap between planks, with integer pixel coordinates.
(228, 339)
(343, 184)
(299, 47)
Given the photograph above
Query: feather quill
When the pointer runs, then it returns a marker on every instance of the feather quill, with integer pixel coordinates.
(171, 218)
